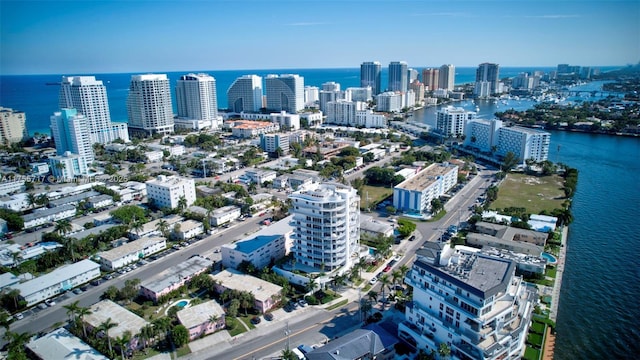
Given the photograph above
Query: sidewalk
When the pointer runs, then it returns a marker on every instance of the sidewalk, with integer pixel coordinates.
(555, 295)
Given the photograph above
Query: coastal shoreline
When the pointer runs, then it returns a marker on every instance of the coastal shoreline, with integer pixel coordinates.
(557, 285)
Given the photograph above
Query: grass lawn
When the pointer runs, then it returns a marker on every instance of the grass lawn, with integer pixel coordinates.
(338, 304)
(148, 310)
(551, 271)
(438, 216)
(183, 351)
(145, 354)
(376, 194)
(535, 339)
(247, 321)
(531, 353)
(235, 328)
(538, 327)
(531, 192)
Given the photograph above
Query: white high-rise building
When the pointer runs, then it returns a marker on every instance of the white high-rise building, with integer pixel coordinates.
(342, 112)
(197, 102)
(74, 149)
(525, 143)
(359, 94)
(327, 226)
(311, 96)
(330, 92)
(89, 97)
(389, 102)
(13, 126)
(398, 76)
(369, 119)
(447, 77)
(286, 121)
(245, 94)
(451, 121)
(285, 92)
(149, 105)
(473, 303)
(370, 76)
(166, 191)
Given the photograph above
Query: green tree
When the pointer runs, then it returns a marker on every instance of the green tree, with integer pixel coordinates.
(436, 205)
(81, 312)
(72, 310)
(122, 342)
(111, 293)
(16, 343)
(444, 351)
(509, 162)
(179, 335)
(406, 227)
(232, 309)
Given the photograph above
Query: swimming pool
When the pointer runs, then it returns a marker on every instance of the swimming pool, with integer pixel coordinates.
(181, 303)
(550, 258)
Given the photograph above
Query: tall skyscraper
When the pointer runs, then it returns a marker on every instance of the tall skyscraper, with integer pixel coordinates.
(245, 94)
(488, 72)
(370, 76)
(330, 92)
(412, 74)
(197, 101)
(328, 226)
(89, 97)
(430, 78)
(447, 77)
(398, 76)
(13, 128)
(285, 92)
(71, 134)
(149, 105)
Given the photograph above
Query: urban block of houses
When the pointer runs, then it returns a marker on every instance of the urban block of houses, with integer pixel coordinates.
(63, 345)
(543, 223)
(99, 202)
(73, 199)
(224, 215)
(72, 190)
(102, 219)
(7, 280)
(188, 229)
(151, 228)
(496, 242)
(15, 202)
(292, 181)
(130, 190)
(44, 216)
(261, 248)
(174, 277)
(511, 233)
(249, 129)
(125, 321)
(414, 195)
(259, 176)
(58, 281)
(202, 319)
(131, 252)
(11, 186)
(372, 227)
(267, 295)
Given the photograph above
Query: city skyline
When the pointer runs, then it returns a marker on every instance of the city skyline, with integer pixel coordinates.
(76, 37)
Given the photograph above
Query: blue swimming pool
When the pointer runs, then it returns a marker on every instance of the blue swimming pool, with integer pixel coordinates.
(182, 303)
(550, 258)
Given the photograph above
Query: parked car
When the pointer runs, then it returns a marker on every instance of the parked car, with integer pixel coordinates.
(96, 282)
(77, 291)
(373, 280)
(50, 302)
(413, 237)
(302, 302)
(255, 320)
(19, 316)
(42, 306)
(387, 268)
(268, 316)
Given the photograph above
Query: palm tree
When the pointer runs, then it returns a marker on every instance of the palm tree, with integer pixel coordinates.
(147, 333)
(385, 281)
(32, 199)
(162, 226)
(16, 344)
(137, 226)
(373, 296)
(404, 269)
(72, 310)
(311, 285)
(123, 341)
(105, 326)
(396, 276)
(81, 312)
(213, 319)
(63, 227)
(182, 203)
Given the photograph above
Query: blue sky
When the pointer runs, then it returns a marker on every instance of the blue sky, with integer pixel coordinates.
(81, 36)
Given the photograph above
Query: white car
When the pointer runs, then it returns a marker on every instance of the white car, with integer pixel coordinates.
(373, 280)
(49, 302)
(19, 316)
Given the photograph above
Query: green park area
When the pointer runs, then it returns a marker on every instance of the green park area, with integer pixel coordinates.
(370, 196)
(535, 193)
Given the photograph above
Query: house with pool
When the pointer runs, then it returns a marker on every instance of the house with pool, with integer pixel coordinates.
(202, 319)
(174, 277)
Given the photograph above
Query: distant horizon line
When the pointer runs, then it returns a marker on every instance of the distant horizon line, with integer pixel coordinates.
(291, 68)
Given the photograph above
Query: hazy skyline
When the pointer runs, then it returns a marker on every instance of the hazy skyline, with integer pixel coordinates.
(75, 37)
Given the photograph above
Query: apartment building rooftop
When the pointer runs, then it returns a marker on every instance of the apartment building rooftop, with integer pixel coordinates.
(426, 177)
(233, 279)
(127, 248)
(47, 212)
(176, 273)
(61, 344)
(481, 275)
(125, 319)
(198, 314)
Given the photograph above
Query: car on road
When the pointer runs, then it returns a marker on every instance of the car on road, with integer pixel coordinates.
(96, 282)
(108, 277)
(77, 291)
(373, 280)
(84, 287)
(387, 268)
(50, 302)
(19, 316)
(268, 316)
(255, 320)
(413, 237)
(302, 302)
(42, 306)
(293, 304)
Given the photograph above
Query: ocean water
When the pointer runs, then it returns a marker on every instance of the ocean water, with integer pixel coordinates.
(31, 94)
(599, 315)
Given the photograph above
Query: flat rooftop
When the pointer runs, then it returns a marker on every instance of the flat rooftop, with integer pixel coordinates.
(426, 177)
(130, 247)
(47, 212)
(177, 273)
(224, 210)
(63, 345)
(126, 320)
(264, 236)
(235, 280)
(57, 276)
(199, 314)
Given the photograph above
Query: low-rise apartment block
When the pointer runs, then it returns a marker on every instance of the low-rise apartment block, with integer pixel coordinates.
(247, 129)
(202, 319)
(500, 243)
(125, 321)
(414, 195)
(512, 233)
(63, 345)
(45, 216)
(131, 252)
(259, 176)
(188, 229)
(167, 191)
(224, 215)
(173, 277)
(266, 294)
